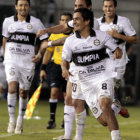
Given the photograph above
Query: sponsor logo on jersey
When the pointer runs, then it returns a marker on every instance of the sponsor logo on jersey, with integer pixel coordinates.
(19, 50)
(20, 37)
(88, 58)
(93, 70)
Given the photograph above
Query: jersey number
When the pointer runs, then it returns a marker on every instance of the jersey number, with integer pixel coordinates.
(29, 78)
(74, 87)
(104, 86)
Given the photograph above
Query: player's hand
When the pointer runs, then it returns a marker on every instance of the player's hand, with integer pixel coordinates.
(36, 58)
(43, 75)
(118, 53)
(113, 33)
(65, 73)
(41, 32)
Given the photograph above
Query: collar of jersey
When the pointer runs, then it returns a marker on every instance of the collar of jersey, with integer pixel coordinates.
(92, 33)
(114, 22)
(27, 18)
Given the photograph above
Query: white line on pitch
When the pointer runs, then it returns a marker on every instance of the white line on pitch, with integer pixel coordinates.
(29, 133)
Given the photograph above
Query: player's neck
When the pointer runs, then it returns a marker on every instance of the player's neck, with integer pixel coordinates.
(109, 19)
(85, 32)
(21, 18)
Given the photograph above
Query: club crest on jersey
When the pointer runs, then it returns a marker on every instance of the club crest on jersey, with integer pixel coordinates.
(96, 42)
(116, 27)
(29, 26)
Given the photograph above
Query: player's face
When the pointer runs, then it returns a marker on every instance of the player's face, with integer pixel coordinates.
(80, 4)
(109, 8)
(22, 8)
(78, 22)
(64, 19)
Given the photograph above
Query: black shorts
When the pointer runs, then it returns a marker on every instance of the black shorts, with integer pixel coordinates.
(56, 79)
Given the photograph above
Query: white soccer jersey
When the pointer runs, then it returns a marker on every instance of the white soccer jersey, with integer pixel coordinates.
(123, 26)
(92, 63)
(21, 37)
(96, 24)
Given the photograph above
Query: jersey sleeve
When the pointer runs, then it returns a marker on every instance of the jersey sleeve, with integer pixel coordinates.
(128, 28)
(70, 24)
(5, 32)
(67, 51)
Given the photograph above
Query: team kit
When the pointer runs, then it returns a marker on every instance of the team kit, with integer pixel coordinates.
(88, 60)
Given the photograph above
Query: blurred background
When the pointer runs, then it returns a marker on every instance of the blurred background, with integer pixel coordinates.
(48, 11)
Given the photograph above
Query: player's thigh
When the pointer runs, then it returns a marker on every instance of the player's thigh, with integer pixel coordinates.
(76, 91)
(91, 98)
(11, 71)
(106, 89)
(25, 78)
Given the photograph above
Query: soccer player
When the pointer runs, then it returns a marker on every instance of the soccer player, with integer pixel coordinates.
(69, 111)
(94, 70)
(57, 82)
(122, 31)
(19, 33)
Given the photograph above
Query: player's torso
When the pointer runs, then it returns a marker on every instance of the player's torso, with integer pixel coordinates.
(20, 44)
(90, 59)
(119, 26)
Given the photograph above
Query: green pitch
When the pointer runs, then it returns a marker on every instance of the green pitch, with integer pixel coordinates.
(35, 128)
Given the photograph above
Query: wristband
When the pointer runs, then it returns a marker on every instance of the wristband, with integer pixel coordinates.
(43, 67)
(50, 44)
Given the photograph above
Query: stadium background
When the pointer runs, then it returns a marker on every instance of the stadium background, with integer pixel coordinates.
(49, 12)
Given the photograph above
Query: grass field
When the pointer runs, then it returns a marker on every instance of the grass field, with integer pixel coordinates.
(36, 129)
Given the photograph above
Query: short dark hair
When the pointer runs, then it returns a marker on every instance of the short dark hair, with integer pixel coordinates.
(88, 2)
(16, 1)
(115, 2)
(86, 14)
(66, 14)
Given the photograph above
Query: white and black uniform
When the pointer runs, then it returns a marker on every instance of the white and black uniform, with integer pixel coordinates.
(3, 82)
(96, 24)
(73, 79)
(20, 48)
(123, 26)
(93, 67)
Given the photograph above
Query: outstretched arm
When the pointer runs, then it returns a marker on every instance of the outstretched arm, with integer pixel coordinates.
(55, 30)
